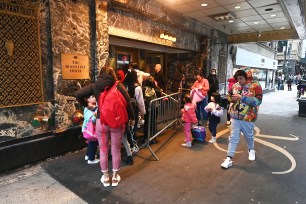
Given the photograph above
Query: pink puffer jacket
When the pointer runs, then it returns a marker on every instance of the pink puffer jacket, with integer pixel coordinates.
(188, 113)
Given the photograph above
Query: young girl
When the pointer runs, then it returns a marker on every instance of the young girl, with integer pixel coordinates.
(189, 117)
(215, 112)
(90, 113)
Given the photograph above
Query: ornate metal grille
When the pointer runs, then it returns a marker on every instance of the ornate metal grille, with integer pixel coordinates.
(20, 64)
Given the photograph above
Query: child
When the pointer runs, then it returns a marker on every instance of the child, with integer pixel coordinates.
(189, 117)
(215, 112)
(90, 112)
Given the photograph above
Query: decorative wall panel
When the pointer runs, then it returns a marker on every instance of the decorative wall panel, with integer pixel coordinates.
(20, 66)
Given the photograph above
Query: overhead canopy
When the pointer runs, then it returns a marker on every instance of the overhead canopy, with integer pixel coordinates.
(247, 20)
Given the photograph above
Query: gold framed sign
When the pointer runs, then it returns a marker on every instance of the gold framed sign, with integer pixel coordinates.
(75, 66)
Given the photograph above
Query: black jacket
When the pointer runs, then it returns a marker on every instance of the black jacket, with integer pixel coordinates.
(213, 83)
(98, 87)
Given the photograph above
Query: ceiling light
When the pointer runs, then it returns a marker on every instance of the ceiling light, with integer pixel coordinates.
(231, 21)
(273, 15)
(223, 16)
(204, 4)
(282, 28)
(237, 7)
(255, 22)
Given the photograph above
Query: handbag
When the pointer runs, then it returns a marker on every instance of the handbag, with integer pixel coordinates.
(89, 132)
(196, 96)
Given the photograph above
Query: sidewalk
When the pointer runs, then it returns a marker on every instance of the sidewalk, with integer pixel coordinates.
(183, 175)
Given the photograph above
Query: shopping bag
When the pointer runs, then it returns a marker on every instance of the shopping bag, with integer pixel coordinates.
(198, 133)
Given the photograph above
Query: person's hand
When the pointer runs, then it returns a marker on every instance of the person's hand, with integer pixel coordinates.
(131, 123)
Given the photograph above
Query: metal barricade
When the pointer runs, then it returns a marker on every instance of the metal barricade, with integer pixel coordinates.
(164, 112)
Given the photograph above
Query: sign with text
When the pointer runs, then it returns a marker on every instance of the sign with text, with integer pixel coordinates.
(75, 66)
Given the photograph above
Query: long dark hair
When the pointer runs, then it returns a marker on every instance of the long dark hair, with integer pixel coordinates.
(130, 81)
(217, 97)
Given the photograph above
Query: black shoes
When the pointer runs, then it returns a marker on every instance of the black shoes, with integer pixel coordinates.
(129, 160)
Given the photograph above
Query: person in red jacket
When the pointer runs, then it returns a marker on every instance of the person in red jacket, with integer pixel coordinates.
(189, 117)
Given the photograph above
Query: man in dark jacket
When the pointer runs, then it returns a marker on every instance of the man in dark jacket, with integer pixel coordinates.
(160, 78)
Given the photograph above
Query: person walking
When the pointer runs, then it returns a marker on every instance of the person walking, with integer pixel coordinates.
(105, 81)
(246, 96)
(215, 111)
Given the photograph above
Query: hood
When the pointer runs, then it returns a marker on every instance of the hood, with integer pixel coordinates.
(103, 81)
(248, 72)
(232, 79)
(121, 73)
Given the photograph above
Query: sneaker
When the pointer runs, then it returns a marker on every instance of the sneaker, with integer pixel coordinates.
(187, 144)
(228, 162)
(95, 161)
(115, 181)
(212, 140)
(104, 181)
(252, 155)
(86, 157)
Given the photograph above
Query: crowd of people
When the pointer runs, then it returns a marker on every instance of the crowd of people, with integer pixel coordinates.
(133, 90)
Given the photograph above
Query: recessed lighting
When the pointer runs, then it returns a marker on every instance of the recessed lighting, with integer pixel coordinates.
(269, 9)
(237, 7)
(204, 4)
(282, 28)
(255, 22)
(231, 21)
(273, 15)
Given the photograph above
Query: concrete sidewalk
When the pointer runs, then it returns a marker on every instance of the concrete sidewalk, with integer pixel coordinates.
(183, 175)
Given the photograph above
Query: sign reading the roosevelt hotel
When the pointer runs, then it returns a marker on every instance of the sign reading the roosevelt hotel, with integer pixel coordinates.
(75, 66)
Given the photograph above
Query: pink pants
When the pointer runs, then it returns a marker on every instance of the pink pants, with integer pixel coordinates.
(187, 130)
(105, 133)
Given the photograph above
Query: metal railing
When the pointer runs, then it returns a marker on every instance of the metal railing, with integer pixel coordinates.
(164, 112)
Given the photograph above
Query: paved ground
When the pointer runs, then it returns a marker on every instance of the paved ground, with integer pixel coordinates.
(183, 175)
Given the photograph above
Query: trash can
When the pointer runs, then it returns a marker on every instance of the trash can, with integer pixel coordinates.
(302, 106)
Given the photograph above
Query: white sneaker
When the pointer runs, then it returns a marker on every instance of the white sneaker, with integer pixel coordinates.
(86, 157)
(116, 180)
(228, 162)
(252, 155)
(105, 181)
(93, 161)
(187, 144)
(228, 123)
(212, 140)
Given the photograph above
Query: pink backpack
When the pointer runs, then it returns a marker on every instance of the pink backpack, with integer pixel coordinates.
(89, 131)
(113, 108)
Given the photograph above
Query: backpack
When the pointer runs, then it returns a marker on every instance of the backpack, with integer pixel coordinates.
(148, 95)
(89, 132)
(113, 107)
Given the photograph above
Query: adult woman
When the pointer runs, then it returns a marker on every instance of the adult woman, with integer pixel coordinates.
(107, 79)
(135, 92)
(200, 89)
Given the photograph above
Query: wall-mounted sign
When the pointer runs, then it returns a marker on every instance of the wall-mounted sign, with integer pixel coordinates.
(75, 66)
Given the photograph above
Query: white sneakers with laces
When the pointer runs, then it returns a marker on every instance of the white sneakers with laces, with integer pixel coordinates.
(228, 162)
(187, 144)
(212, 140)
(252, 155)
(95, 161)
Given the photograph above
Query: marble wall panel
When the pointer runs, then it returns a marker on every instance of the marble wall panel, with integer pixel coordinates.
(132, 26)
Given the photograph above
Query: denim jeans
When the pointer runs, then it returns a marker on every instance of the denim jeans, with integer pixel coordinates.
(92, 150)
(201, 113)
(238, 126)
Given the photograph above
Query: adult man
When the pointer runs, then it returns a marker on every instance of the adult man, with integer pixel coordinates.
(160, 78)
(246, 96)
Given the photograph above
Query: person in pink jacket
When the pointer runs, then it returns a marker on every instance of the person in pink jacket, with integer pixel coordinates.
(189, 117)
